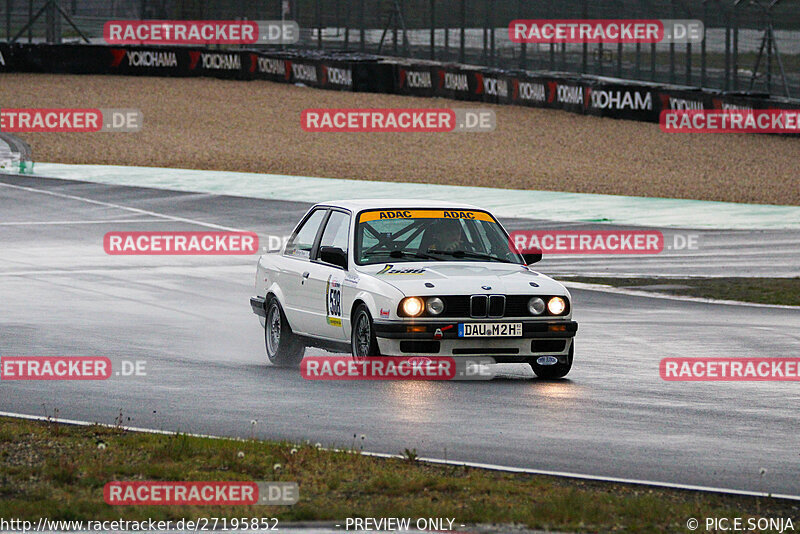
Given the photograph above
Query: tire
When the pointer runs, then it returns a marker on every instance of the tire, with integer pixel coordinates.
(552, 372)
(284, 349)
(363, 341)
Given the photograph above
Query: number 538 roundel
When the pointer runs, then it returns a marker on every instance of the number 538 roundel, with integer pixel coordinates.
(409, 278)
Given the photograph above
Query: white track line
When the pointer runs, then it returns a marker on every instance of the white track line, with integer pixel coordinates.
(147, 268)
(477, 465)
(47, 223)
(119, 206)
(655, 295)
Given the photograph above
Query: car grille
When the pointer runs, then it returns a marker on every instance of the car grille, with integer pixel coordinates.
(456, 306)
(497, 305)
(478, 305)
(491, 306)
(517, 306)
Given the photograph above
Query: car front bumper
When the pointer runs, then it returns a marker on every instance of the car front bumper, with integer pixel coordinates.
(257, 304)
(550, 337)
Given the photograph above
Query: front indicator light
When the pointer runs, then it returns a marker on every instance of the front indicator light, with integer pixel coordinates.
(434, 305)
(556, 305)
(557, 328)
(416, 329)
(536, 306)
(413, 306)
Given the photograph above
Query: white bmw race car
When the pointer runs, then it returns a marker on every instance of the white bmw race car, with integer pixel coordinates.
(410, 278)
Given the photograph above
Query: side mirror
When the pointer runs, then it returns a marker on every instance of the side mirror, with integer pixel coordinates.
(334, 256)
(532, 257)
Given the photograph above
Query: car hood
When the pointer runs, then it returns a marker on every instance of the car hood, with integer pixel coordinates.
(463, 278)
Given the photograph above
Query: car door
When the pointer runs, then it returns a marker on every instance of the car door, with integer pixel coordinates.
(293, 279)
(325, 281)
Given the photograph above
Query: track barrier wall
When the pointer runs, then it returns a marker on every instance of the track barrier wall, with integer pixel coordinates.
(586, 94)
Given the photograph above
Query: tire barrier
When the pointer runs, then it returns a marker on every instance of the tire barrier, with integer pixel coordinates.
(586, 94)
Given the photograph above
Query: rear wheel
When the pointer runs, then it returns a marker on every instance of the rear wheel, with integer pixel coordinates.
(284, 349)
(550, 372)
(363, 341)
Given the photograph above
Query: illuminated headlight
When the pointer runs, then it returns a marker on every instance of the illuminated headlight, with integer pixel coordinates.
(434, 305)
(536, 306)
(412, 306)
(556, 305)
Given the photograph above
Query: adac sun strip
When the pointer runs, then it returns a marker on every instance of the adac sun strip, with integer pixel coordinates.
(378, 215)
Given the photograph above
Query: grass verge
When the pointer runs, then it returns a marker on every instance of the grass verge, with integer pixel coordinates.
(784, 291)
(58, 471)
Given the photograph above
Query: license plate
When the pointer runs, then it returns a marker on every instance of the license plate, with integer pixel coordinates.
(489, 329)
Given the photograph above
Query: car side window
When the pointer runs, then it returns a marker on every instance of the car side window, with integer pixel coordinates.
(302, 241)
(493, 242)
(478, 236)
(387, 230)
(337, 231)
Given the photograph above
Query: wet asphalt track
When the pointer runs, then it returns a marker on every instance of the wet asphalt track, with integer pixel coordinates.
(189, 318)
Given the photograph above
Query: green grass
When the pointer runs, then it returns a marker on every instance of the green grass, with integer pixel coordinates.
(58, 471)
(784, 291)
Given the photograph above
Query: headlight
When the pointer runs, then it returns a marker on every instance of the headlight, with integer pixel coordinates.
(536, 306)
(556, 305)
(412, 306)
(435, 306)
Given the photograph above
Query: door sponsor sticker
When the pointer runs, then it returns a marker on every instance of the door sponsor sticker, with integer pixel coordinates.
(333, 302)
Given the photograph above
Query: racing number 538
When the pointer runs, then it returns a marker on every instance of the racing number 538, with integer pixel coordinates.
(333, 302)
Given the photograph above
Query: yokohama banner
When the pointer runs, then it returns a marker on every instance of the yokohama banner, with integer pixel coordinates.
(343, 71)
(458, 82)
(417, 80)
(621, 101)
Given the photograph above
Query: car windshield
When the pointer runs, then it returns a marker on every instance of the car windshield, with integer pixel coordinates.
(431, 235)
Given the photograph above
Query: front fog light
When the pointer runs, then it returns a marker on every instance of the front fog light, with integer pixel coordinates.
(435, 306)
(556, 305)
(413, 306)
(536, 306)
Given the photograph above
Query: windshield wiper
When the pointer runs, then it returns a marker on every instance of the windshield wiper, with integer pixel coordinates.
(396, 254)
(465, 254)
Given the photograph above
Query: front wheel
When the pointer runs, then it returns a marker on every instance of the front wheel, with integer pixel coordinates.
(550, 372)
(363, 342)
(284, 349)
